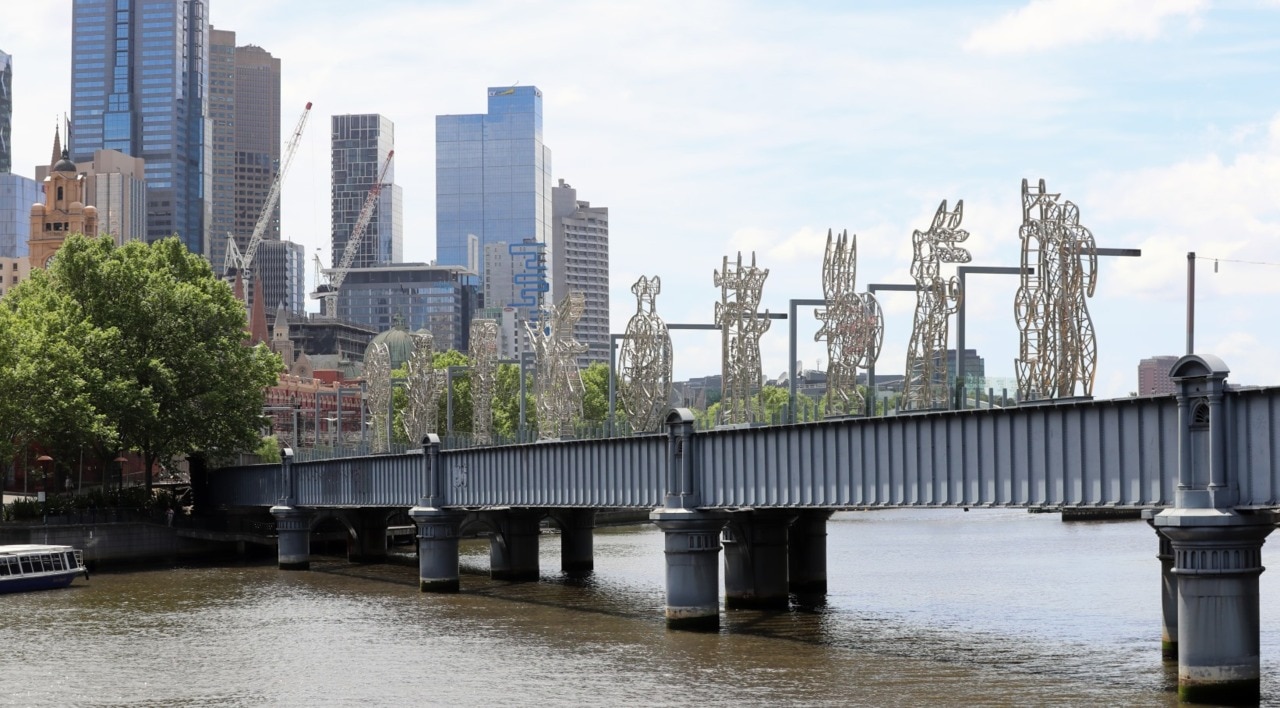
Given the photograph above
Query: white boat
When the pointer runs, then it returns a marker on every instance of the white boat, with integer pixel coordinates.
(26, 567)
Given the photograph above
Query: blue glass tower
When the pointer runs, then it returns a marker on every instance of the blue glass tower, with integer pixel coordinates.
(139, 72)
(493, 176)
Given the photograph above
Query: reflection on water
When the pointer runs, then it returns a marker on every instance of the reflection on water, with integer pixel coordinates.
(926, 608)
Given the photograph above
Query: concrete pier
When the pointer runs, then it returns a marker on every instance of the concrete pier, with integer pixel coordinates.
(577, 540)
(1168, 593)
(293, 532)
(807, 555)
(437, 548)
(513, 547)
(693, 567)
(755, 559)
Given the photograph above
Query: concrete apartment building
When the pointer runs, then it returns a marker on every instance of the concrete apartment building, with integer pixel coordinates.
(580, 261)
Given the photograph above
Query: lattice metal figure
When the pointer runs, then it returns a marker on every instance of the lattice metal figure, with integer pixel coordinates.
(740, 331)
(423, 389)
(557, 382)
(644, 361)
(377, 376)
(937, 298)
(484, 378)
(1058, 350)
(852, 326)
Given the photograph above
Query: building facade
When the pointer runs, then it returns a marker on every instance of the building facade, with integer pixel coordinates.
(280, 268)
(360, 147)
(17, 194)
(493, 176)
(1153, 376)
(440, 299)
(221, 101)
(63, 212)
(12, 272)
(6, 113)
(580, 261)
(116, 185)
(139, 79)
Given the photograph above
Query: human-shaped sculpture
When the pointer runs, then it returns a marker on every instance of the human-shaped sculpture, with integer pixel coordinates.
(740, 329)
(644, 361)
(484, 369)
(557, 381)
(1057, 349)
(852, 326)
(937, 298)
(422, 387)
(377, 376)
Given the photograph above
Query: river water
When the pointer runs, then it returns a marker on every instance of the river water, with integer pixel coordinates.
(926, 607)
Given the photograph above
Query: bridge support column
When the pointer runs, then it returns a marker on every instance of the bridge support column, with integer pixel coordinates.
(513, 548)
(807, 555)
(293, 537)
(437, 548)
(370, 544)
(755, 560)
(693, 567)
(1217, 561)
(577, 542)
(1168, 594)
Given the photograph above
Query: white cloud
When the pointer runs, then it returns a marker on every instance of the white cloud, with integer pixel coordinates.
(1048, 24)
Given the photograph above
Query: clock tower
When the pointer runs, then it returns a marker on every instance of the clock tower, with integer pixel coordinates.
(63, 212)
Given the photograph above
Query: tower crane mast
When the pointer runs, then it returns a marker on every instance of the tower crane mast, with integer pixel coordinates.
(242, 262)
(329, 291)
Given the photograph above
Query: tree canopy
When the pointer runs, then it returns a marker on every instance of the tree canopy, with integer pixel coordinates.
(135, 347)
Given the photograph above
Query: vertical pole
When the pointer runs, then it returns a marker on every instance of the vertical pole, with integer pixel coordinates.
(960, 339)
(1191, 301)
(520, 431)
(448, 414)
(791, 361)
(613, 381)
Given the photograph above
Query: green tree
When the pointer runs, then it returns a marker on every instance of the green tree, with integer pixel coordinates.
(506, 402)
(595, 396)
(159, 341)
(462, 410)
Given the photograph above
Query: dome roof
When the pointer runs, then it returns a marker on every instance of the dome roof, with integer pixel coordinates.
(399, 346)
(65, 164)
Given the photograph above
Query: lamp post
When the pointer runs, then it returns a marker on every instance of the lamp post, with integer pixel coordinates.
(44, 476)
(120, 460)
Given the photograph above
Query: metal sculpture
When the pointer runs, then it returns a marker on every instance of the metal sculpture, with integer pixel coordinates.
(1057, 350)
(644, 361)
(484, 378)
(852, 326)
(423, 388)
(925, 385)
(557, 381)
(740, 329)
(377, 376)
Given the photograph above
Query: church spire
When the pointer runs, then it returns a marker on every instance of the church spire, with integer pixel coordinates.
(57, 147)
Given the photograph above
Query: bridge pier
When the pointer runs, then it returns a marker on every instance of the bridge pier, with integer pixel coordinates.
(293, 537)
(755, 559)
(513, 547)
(577, 540)
(1168, 594)
(693, 568)
(1217, 562)
(370, 543)
(437, 548)
(807, 555)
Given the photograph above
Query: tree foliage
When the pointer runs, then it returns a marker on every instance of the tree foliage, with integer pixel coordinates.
(142, 348)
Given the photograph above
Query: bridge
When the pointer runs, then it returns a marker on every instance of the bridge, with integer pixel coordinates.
(1203, 464)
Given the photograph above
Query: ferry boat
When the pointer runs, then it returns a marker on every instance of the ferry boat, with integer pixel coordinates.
(39, 567)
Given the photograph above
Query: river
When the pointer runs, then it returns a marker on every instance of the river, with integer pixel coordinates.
(926, 607)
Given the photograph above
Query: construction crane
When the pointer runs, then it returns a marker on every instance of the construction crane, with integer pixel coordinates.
(329, 291)
(237, 262)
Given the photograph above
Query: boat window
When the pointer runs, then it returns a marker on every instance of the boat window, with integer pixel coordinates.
(57, 561)
(26, 564)
(71, 561)
(45, 563)
(4, 566)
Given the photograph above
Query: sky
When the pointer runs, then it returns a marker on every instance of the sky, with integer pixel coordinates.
(714, 127)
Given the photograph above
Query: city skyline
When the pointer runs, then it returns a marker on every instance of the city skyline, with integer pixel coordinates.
(714, 128)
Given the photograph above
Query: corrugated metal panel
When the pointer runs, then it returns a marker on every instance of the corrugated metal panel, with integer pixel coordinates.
(1122, 452)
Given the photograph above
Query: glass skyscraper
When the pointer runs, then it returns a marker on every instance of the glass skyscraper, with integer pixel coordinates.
(139, 73)
(6, 112)
(360, 144)
(493, 176)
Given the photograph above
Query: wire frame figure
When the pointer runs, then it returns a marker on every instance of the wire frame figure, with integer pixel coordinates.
(937, 298)
(852, 326)
(644, 361)
(484, 378)
(557, 381)
(377, 375)
(741, 327)
(1057, 347)
(423, 389)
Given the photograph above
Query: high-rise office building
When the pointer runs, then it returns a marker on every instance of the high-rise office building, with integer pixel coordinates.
(139, 74)
(493, 175)
(221, 102)
(17, 194)
(6, 113)
(280, 267)
(116, 185)
(580, 261)
(437, 298)
(360, 145)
